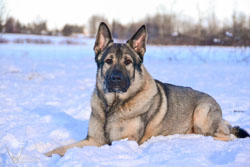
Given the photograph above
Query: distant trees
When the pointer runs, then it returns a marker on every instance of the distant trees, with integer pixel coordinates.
(39, 28)
(70, 29)
(11, 25)
(14, 26)
(118, 30)
(67, 30)
(1, 25)
(163, 28)
(240, 29)
(168, 29)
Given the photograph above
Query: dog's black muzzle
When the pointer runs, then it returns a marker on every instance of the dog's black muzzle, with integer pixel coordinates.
(117, 82)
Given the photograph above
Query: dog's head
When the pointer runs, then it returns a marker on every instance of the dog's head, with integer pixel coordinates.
(117, 63)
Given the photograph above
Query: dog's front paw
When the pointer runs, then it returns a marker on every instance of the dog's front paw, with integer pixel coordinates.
(60, 151)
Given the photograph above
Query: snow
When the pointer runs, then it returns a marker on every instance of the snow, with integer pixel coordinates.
(229, 34)
(45, 93)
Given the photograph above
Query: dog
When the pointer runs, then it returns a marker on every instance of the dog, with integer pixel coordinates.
(128, 103)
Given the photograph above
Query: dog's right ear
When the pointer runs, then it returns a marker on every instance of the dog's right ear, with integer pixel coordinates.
(103, 38)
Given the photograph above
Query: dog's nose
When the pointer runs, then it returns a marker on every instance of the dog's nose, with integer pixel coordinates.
(116, 77)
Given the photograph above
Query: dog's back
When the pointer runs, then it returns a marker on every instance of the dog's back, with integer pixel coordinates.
(182, 103)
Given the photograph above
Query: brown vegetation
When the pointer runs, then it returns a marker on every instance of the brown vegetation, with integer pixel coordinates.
(163, 29)
(168, 29)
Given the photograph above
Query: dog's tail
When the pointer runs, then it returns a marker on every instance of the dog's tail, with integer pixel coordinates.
(239, 132)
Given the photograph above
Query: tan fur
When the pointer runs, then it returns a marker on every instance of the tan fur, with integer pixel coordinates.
(201, 120)
(153, 127)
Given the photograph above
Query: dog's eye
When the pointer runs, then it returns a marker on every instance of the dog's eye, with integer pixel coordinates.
(109, 61)
(127, 62)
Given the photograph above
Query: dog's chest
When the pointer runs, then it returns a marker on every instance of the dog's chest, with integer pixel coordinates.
(117, 129)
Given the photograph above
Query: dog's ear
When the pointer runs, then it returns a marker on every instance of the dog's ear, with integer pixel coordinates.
(103, 38)
(139, 40)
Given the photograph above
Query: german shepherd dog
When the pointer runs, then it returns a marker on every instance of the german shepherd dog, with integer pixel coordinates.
(128, 103)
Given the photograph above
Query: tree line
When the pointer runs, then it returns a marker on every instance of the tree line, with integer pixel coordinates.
(169, 29)
(12, 25)
(163, 29)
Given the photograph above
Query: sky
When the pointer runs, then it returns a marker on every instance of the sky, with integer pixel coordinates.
(59, 12)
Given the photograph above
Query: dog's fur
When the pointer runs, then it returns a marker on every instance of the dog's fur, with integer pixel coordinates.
(128, 103)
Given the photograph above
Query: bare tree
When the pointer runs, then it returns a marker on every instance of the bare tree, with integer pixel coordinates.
(2, 9)
(212, 21)
(241, 32)
(200, 20)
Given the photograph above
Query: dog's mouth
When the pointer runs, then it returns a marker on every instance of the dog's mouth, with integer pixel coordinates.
(117, 87)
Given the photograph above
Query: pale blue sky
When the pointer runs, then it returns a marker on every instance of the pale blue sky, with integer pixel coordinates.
(59, 12)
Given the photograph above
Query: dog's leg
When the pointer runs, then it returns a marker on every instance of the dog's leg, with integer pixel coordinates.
(207, 120)
(62, 150)
(223, 137)
(223, 131)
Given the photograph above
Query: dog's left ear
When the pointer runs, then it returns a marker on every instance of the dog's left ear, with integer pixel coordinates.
(139, 40)
(103, 38)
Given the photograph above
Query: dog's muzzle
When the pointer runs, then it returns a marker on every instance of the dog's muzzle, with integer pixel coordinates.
(117, 82)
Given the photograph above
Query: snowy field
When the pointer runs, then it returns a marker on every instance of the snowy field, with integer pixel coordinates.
(45, 92)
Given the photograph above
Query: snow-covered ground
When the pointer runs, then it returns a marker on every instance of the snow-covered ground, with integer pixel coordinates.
(45, 95)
